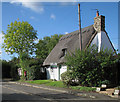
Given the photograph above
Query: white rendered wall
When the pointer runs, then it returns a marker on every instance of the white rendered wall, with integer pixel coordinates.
(55, 73)
(62, 70)
(105, 42)
(52, 73)
(102, 41)
(95, 41)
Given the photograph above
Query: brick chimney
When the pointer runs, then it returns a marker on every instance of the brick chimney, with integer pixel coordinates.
(99, 22)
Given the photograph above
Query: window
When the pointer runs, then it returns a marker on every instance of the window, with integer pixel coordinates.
(64, 51)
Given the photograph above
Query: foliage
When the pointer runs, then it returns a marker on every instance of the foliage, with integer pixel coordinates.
(6, 67)
(118, 68)
(90, 68)
(9, 69)
(53, 41)
(67, 78)
(14, 63)
(19, 37)
(45, 46)
(32, 66)
(14, 72)
(42, 50)
(106, 82)
(38, 71)
(81, 88)
(24, 63)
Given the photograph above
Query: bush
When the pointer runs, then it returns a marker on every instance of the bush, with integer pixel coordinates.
(31, 73)
(36, 69)
(14, 72)
(91, 68)
(33, 67)
(6, 67)
(67, 79)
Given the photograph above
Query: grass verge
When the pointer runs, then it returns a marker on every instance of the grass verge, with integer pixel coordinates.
(83, 88)
(60, 84)
(56, 84)
(39, 81)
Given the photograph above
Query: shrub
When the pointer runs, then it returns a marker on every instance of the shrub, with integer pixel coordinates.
(32, 66)
(91, 68)
(106, 82)
(36, 69)
(14, 72)
(67, 78)
(6, 67)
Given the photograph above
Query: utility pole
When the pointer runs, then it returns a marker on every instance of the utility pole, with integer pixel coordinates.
(80, 34)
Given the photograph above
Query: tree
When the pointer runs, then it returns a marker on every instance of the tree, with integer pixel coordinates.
(53, 41)
(45, 46)
(19, 38)
(42, 50)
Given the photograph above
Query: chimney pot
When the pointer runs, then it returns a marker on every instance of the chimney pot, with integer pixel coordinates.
(97, 14)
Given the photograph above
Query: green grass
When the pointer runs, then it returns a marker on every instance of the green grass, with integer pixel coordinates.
(83, 88)
(47, 82)
(39, 81)
(60, 84)
(56, 84)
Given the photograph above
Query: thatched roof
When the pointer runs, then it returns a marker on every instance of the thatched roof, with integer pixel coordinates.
(70, 42)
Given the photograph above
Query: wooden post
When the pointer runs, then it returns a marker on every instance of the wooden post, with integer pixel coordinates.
(80, 35)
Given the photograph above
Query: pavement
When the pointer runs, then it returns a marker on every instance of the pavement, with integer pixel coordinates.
(92, 95)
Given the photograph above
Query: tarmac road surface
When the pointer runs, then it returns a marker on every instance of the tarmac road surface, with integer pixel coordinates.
(19, 93)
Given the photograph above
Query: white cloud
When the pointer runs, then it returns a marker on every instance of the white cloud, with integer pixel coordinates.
(66, 32)
(32, 17)
(35, 6)
(52, 16)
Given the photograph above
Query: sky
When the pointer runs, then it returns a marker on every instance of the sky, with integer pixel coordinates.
(51, 18)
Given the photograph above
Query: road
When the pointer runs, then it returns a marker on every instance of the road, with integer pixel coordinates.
(20, 93)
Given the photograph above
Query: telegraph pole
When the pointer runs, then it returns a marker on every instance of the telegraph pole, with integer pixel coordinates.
(80, 34)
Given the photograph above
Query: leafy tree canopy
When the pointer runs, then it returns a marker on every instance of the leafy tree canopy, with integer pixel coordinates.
(19, 37)
(45, 46)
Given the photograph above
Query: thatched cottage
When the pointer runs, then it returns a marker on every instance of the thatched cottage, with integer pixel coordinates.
(94, 34)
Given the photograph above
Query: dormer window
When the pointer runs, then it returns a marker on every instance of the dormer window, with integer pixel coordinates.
(63, 53)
